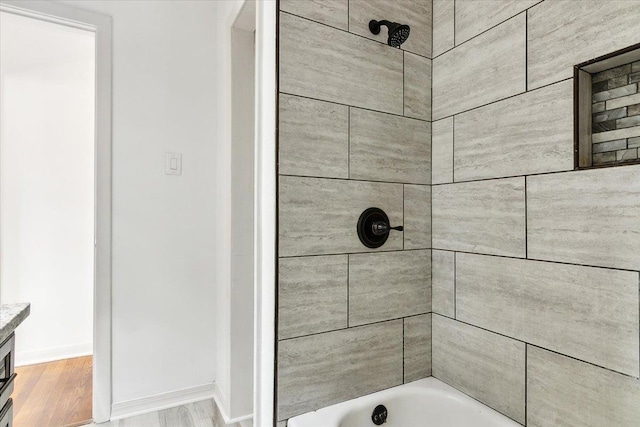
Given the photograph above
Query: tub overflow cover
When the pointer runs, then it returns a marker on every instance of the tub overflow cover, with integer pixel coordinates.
(379, 415)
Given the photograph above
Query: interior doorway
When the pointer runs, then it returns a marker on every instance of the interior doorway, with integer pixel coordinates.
(47, 212)
(55, 208)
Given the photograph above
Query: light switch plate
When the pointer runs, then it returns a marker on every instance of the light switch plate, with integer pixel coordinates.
(173, 164)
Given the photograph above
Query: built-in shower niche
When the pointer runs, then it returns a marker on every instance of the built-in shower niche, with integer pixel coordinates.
(607, 95)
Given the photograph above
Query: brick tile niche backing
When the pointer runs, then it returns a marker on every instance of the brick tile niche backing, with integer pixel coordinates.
(616, 114)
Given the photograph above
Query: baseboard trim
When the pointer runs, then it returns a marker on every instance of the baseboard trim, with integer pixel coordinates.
(221, 404)
(161, 401)
(33, 357)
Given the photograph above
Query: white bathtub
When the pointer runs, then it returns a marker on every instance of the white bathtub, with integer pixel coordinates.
(423, 403)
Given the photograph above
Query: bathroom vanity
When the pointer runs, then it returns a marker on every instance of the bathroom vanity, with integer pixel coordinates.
(11, 315)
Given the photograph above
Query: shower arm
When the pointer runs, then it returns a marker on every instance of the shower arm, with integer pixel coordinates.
(374, 26)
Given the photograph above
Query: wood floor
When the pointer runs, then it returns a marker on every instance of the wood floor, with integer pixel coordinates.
(53, 394)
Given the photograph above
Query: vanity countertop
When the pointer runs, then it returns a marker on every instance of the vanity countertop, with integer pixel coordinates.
(11, 315)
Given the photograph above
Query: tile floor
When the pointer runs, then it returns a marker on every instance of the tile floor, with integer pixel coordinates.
(198, 414)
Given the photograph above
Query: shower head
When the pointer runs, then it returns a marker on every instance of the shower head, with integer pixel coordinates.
(398, 33)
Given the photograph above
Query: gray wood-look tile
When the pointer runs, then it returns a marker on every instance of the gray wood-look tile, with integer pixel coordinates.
(563, 392)
(417, 86)
(319, 216)
(198, 414)
(443, 283)
(415, 13)
(314, 138)
(324, 63)
(389, 285)
(473, 17)
(527, 134)
(483, 217)
(282, 424)
(490, 67)
(330, 12)
(417, 216)
(312, 295)
(562, 34)
(442, 151)
(389, 148)
(484, 365)
(588, 313)
(320, 370)
(443, 26)
(417, 347)
(586, 217)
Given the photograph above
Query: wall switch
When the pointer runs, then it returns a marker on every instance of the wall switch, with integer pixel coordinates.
(173, 164)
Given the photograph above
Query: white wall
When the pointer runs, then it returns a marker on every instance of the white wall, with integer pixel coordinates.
(168, 95)
(47, 184)
(242, 194)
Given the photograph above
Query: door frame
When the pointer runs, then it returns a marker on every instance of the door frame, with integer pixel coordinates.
(101, 25)
(265, 213)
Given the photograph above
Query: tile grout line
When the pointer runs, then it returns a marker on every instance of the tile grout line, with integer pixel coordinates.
(351, 33)
(526, 50)
(431, 52)
(526, 221)
(403, 344)
(540, 347)
(377, 322)
(455, 285)
(348, 286)
(523, 259)
(403, 206)
(355, 179)
(453, 149)
(502, 99)
(354, 106)
(481, 33)
(454, 30)
(357, 253)
(462, 252)
(349, 142)
(526, 385)
(403, 84)
(530, 174)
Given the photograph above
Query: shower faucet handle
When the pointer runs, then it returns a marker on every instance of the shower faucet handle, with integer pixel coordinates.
(381, 227)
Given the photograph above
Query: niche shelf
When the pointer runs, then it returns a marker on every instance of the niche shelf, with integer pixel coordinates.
(607, 110)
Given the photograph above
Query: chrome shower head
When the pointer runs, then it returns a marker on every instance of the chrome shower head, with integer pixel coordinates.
(398, 33)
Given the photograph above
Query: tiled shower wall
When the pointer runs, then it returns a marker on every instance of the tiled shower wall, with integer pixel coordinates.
(354, 133)
(535, 266)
